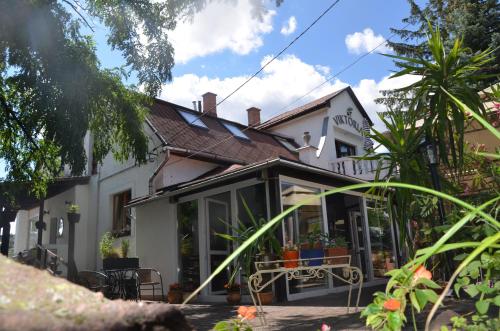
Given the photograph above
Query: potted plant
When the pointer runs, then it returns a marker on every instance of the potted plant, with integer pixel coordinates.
(233, 293)
(336, 247)
(114, 258)
(124, 246)
(73, 213)
(174, 294)
(290, 255)
(188, 287)
(312, 248)
(266, 296)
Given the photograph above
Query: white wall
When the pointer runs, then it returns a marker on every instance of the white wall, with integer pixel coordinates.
(156, 237)
(176, 172)
(313, 123)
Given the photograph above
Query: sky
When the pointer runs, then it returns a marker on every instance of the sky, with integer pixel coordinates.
(225, 43)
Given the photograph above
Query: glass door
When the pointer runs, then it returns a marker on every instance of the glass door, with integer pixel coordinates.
(358, 241)
(218, 212)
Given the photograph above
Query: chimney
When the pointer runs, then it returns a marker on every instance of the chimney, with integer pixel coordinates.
(210, 103)
(253, 116)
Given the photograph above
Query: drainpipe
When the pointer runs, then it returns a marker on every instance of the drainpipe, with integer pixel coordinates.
(157, 170)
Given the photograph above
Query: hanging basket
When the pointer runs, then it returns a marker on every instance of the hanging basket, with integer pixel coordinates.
(73, 217)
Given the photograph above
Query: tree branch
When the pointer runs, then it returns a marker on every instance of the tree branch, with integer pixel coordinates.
(79, 14)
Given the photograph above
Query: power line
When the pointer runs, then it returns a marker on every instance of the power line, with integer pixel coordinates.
(230, 136)
(172, 138)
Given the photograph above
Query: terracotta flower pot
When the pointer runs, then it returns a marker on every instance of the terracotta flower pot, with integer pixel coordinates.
(266, 298)
(290, 255)
(337, 251)
(174, 297)
(233, 297)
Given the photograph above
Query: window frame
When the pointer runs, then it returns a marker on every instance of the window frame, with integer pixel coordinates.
(239, 133)
(123, 231)
(184, 113)
(339, 143)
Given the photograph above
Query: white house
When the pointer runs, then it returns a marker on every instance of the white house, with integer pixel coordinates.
(202, 168)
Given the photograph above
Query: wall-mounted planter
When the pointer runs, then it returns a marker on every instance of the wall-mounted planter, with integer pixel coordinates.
(73, 218)
(120, 263)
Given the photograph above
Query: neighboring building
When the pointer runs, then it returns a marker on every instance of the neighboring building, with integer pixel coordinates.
(201, 170)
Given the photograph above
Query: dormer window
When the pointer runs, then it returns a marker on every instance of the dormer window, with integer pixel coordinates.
(192, 119)
(236, 131)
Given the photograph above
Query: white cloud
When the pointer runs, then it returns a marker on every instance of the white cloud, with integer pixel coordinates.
(281, 83)
(222, 25)
(365, 41)
(367, 90)
(289, 27)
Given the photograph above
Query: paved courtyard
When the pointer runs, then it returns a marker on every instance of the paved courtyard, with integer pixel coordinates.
(307, 314)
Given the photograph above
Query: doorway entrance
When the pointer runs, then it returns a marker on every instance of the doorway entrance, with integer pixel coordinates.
(218, 220)
(358, 238)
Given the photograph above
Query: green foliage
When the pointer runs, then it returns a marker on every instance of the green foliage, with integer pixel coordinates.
(474, 21)
(232, 325)
(313, 239)
(106, 245)
(443, 120)
(73, 209)
(241, 233)
(124, 247)
(431, 112)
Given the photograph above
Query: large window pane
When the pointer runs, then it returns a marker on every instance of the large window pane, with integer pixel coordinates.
(255, 199)
(381, 239)
(304, 220)
(218, 209)
(189, 264)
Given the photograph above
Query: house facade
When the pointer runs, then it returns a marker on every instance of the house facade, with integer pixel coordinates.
(204, 169)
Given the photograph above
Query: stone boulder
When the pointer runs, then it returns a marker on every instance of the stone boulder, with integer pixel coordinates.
(32, 299)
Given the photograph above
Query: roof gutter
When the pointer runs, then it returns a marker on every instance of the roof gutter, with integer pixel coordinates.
(207, 182)
(239, 172)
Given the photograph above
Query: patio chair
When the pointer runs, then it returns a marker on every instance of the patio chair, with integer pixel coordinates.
(149, 279)
(94, 281)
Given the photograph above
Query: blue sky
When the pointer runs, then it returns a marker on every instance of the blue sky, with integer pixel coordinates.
(225, 43)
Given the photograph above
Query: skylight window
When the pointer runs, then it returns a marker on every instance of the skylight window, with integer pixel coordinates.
(192, 119)
(235, 130)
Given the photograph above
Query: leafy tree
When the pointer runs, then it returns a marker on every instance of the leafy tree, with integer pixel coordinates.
(431, 114)
(53, 89)
(475, 22)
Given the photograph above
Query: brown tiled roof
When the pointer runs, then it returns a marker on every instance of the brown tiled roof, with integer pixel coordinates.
(179, 134)
(312, 106)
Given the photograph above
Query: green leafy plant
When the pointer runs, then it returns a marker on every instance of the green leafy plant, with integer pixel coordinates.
(332, 242)
(106, 245)
(313, 239)
(73, 209)
(240, 322)
(241, 233)
(124, 247)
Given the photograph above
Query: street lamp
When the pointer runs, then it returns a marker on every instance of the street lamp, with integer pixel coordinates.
(429, 149)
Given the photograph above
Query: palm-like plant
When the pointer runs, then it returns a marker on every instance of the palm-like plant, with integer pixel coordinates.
(241, 233)
(457, 74)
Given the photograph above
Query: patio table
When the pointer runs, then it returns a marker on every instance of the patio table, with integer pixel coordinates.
(122, 283)
(351, 275)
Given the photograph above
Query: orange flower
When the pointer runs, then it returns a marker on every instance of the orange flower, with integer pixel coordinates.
(421, 272)
(247, 313)
(392, 304)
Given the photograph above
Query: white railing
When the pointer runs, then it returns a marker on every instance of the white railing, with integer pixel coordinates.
(362, 169)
